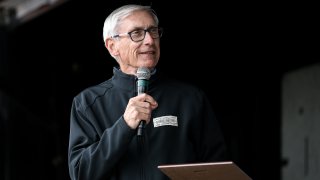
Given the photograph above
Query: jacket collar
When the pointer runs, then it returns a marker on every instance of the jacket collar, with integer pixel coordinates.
(128, 81)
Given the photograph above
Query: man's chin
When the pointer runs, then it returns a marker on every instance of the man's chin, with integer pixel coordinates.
(147, 65)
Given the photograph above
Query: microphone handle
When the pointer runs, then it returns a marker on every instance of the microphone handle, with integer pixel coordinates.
(141, 128)
(142, 88)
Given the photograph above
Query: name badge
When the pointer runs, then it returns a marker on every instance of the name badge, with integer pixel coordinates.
(165, 121)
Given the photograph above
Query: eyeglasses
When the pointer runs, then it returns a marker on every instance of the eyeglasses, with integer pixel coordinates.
(139, 34)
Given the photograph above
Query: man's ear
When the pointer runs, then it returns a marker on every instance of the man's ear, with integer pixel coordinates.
(111, 46)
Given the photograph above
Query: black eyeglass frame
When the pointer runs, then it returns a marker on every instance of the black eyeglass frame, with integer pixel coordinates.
(159, 34)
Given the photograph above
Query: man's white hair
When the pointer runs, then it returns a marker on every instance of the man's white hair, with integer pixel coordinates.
(112, 21)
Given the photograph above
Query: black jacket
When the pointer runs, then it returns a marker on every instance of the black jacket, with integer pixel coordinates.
(102, 145)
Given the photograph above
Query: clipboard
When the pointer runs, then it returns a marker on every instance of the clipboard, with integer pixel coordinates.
(227, 170)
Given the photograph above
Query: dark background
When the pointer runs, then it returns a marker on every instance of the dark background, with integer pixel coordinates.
(236, 52)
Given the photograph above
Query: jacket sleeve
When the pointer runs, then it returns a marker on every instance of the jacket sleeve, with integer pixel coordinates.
(89, 155)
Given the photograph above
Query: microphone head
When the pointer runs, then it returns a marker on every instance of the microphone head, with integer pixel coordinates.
(143, 73)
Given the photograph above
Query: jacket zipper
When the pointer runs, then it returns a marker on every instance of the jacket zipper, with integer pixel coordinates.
(140, 141)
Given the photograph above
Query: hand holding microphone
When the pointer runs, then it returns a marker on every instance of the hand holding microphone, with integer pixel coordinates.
(139, 108)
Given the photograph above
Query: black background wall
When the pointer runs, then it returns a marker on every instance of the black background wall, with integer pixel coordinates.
(236, 52)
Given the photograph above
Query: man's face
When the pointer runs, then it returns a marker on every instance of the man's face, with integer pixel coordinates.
(132, 55)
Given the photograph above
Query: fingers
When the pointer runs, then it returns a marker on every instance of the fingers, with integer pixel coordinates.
(139, 108)
(147, 98)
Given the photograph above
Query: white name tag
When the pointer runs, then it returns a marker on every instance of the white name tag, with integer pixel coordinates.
(165, 121)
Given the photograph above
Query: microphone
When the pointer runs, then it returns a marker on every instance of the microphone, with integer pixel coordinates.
(143, 75)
